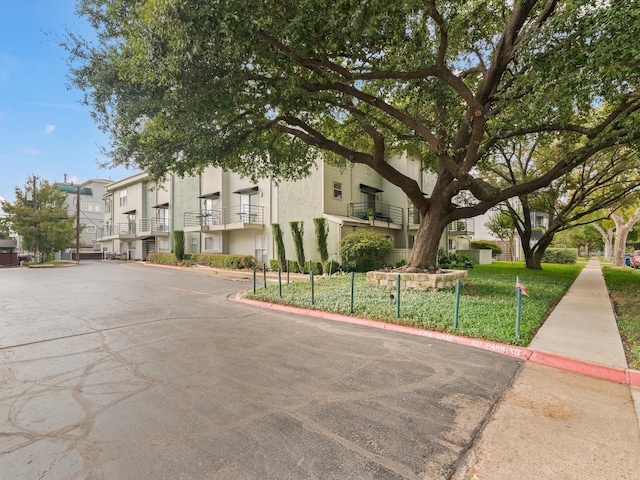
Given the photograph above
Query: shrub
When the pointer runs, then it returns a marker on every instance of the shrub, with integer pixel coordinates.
(162, 258)
(217, 260)
(364, 250)
(564, 256)
(280, 251)
(487, 245)
(322, 231)
(454, 260)
(178, 244)
(297, 231)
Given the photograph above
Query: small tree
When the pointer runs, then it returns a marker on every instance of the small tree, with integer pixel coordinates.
(501, 225)
(297, 231)
(40, 216)
(280, 251)
(178, 244)
(364, 249)
(322, 231)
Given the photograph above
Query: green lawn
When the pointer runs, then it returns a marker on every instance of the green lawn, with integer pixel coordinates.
(624, 289)
(487, 304)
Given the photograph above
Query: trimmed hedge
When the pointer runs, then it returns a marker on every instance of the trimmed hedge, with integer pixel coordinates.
(162, 258)
(218, 260)
(214, 260)
(274, 266)
(563, 256)
(487, 245)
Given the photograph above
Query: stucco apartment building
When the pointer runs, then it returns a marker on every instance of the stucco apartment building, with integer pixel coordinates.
(223, 212)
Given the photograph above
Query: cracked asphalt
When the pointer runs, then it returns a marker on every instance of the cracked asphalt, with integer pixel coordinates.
(115, 370)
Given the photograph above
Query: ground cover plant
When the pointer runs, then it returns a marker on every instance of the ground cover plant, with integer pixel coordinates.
(487, 304)
(623, 285)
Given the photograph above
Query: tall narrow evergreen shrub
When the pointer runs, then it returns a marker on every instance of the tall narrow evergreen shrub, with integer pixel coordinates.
(178, 244)
(280, 252)
(297, 231)
(322, 232)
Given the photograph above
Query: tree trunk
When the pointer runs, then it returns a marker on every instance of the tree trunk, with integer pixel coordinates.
(533, 255)
(424, 255)
(607, 239)
(622, 232)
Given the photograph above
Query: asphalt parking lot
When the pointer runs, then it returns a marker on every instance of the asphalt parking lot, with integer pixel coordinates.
(114, 370)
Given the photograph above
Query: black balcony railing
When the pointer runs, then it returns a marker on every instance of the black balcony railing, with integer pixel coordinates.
(225, 216)
(377, 211)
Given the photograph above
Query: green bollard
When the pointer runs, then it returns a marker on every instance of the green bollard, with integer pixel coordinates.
(280, 282)
(254, 279)
(264, 274)
(313, 298)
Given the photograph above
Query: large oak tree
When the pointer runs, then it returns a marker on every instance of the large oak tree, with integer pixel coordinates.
(262, 86)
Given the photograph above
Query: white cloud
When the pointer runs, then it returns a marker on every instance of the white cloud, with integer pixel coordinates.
(49, 129)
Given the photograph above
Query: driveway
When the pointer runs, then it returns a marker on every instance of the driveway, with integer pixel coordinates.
(116, 370)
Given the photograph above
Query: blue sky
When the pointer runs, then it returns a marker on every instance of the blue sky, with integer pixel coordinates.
(44, 130)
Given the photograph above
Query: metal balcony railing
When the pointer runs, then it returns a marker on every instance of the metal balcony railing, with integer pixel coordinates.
(153, 225)
(413, 216)
(225, 216)
(465, 226)
(119, 229)
(379, 212)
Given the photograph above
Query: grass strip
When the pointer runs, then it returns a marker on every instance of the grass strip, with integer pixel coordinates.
(487, 303)
(624, 289)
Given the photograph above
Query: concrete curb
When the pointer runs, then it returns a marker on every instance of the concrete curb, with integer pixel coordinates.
(617, 375)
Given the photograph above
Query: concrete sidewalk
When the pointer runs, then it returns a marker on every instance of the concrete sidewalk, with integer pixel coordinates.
(554, 424)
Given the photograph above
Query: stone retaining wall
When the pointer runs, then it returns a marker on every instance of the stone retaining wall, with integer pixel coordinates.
(418, 281)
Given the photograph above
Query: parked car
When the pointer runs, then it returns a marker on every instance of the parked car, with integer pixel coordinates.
(627, 259)
(635, 259)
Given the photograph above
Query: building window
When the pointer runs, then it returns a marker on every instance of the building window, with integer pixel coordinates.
(261, 249)
(83, 206)
(337, 190)
(97, 207)
(123, 198)
(194, 244)
(89, 229)
(107, 206)
(212, 243)
(90, 207)
(163, 245)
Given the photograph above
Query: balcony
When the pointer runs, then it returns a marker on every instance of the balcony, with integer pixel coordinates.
(236, 217)
(463, 227)
(125, 231)
(152, 227)
(378, 214)
(413, 218)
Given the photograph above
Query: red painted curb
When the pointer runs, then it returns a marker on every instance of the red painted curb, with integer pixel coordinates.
(612, 374)
(628, 376)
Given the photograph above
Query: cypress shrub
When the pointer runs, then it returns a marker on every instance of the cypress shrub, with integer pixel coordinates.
(297, 231)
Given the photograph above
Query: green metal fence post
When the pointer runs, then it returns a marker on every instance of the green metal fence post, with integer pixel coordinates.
(313, 298)
(352, 290)
(280, 282)
(264, 274)
(398, 296)
(455, 314)
(254, 279)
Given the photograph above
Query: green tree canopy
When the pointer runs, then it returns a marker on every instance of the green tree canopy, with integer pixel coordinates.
(40, 216)
(262, 87)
